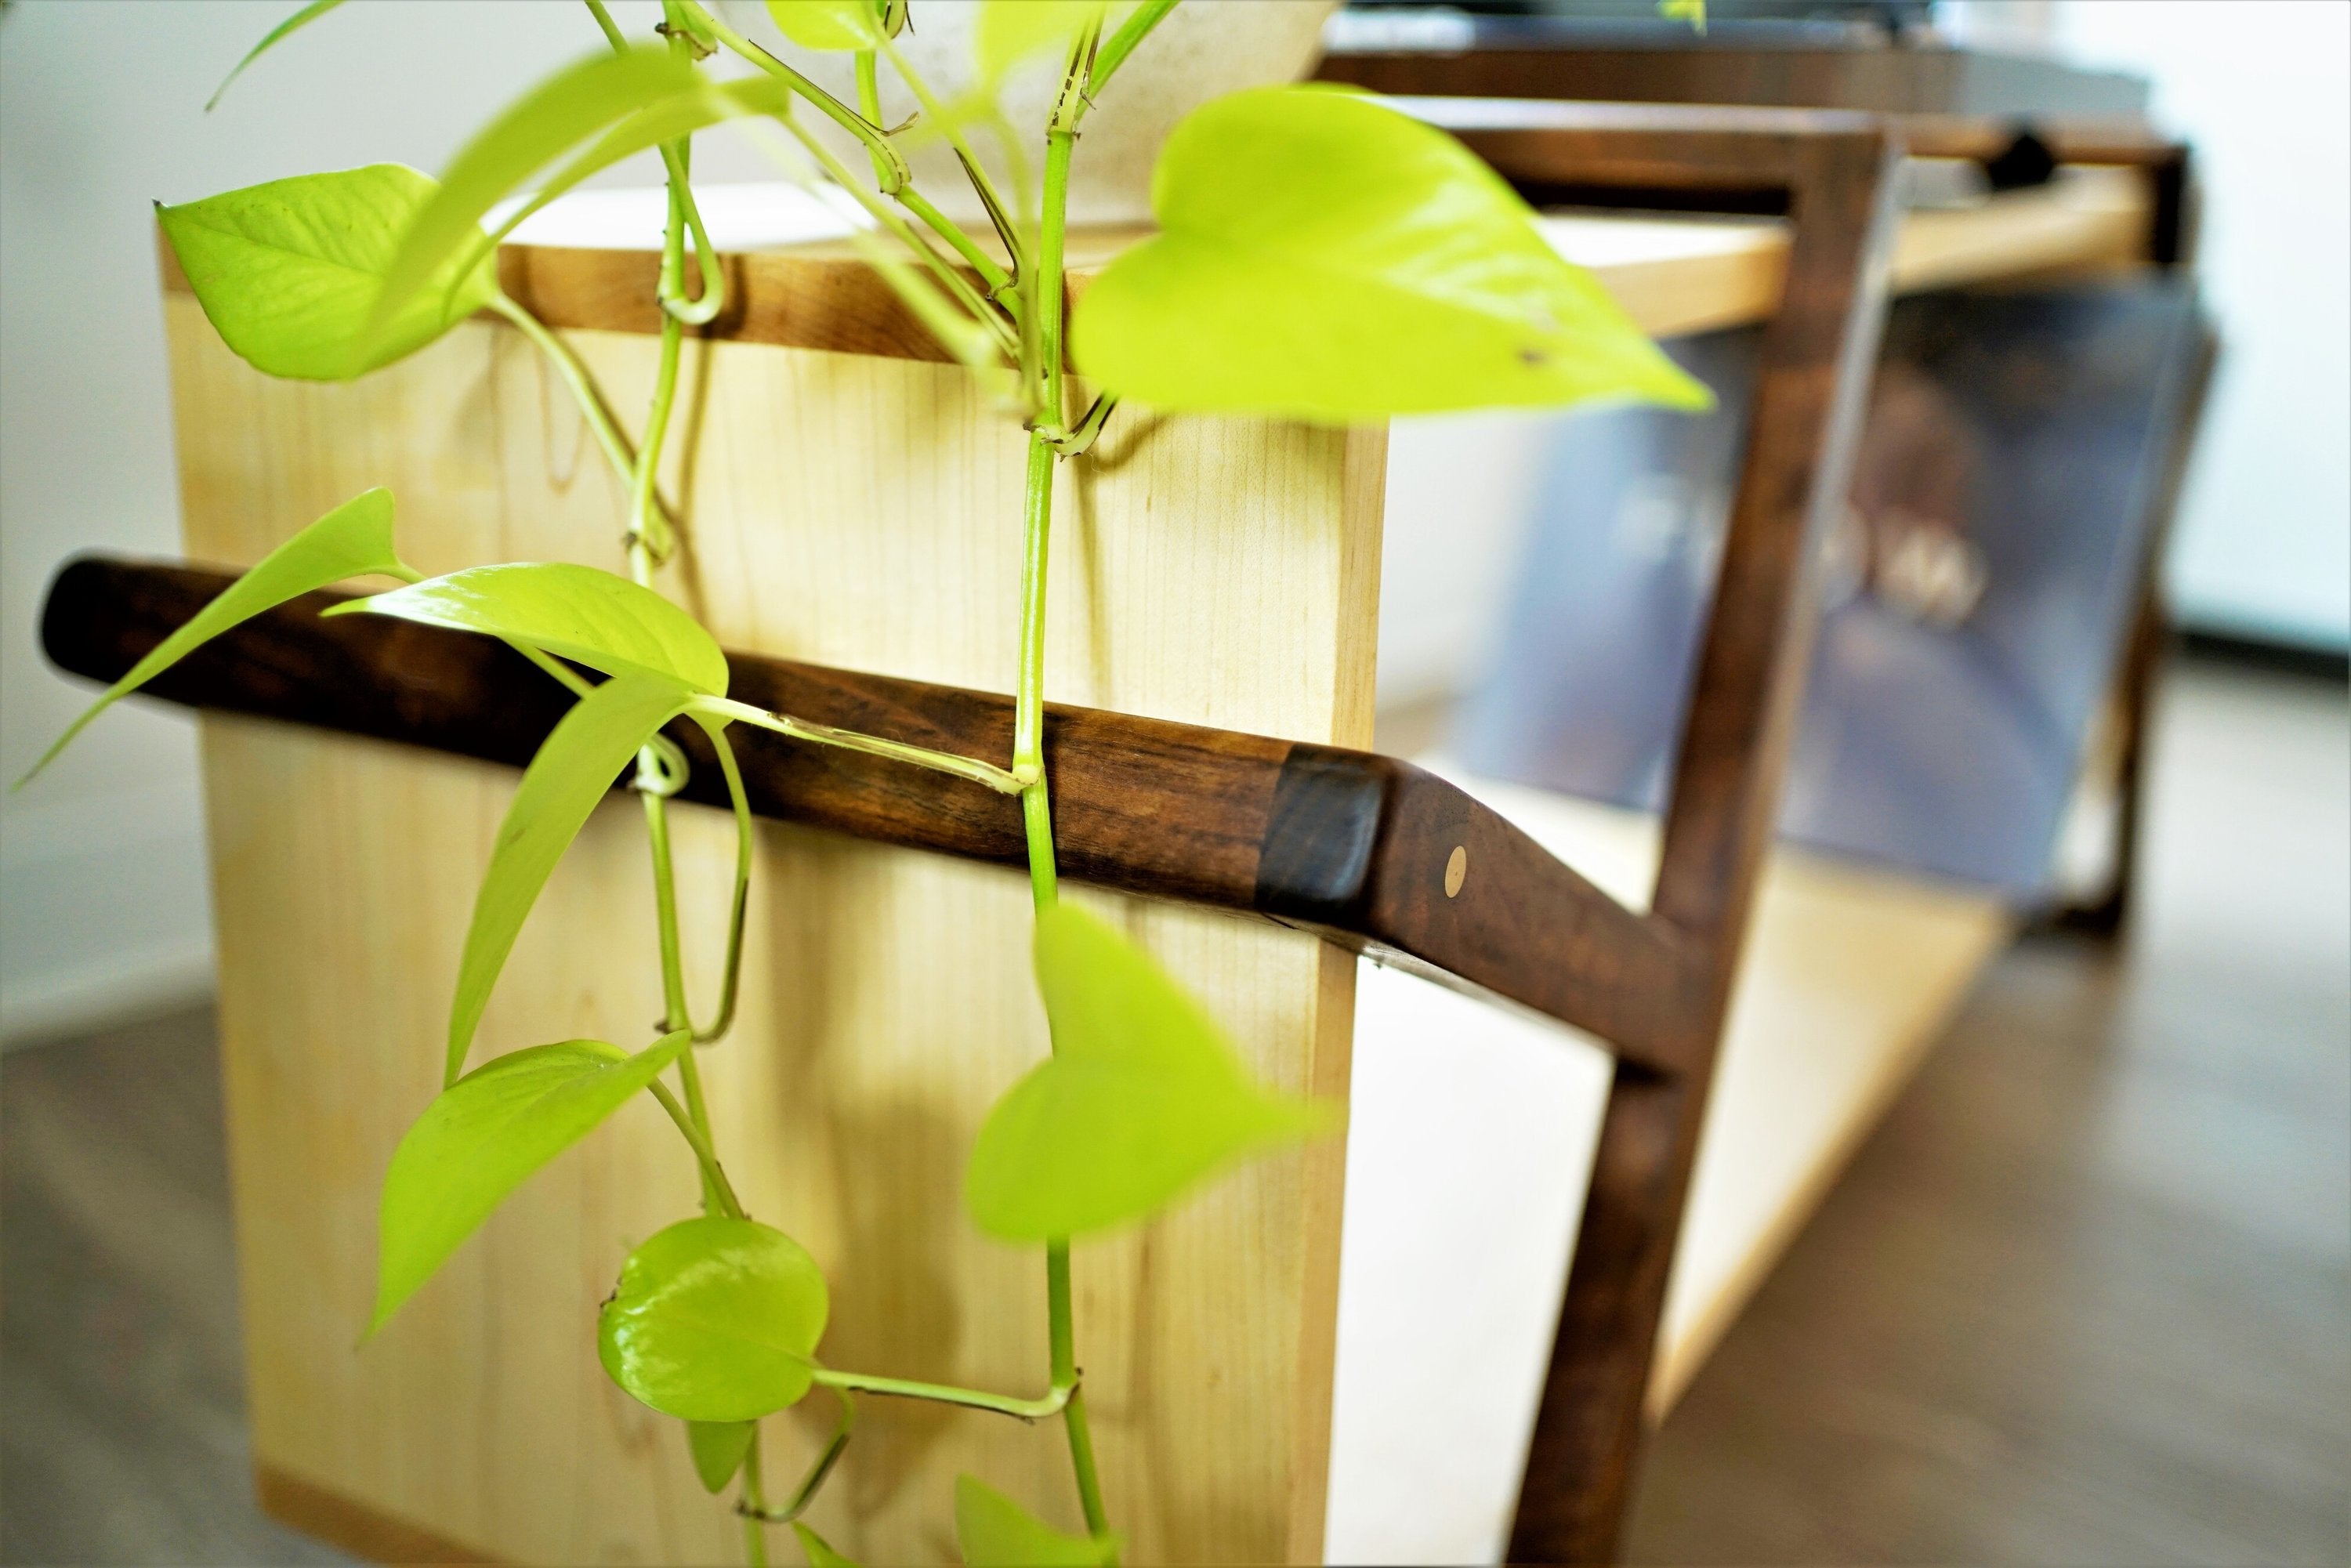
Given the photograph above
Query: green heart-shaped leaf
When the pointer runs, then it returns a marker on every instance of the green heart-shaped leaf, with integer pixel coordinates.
(291, 274)
(575, 766)
(831, 25)
(553, 116)
(1142, 1097)
(600, 620)
(483, 1136)
(819, 1551)
(1323, 256)
(353, 540)
(715, 1320)
(994, 1531)
(719, 1449)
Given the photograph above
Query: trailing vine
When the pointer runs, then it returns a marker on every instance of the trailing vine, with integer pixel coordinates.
(1321, 256)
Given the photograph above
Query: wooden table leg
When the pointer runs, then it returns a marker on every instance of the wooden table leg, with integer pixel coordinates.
(1817, 355)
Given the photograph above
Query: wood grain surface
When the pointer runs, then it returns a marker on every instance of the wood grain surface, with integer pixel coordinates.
(851, 511)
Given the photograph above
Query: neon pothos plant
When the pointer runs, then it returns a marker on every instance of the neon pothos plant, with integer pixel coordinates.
(1320, 257)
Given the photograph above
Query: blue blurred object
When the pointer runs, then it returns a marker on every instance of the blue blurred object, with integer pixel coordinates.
(1976, 593)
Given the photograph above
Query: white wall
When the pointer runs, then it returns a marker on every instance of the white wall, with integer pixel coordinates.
(2263, 88)
(102, 895)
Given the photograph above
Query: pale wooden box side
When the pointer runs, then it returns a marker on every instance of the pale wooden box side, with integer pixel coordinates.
(855, 511)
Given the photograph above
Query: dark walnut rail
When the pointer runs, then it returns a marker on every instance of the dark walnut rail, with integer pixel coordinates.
(1351, 845)
(1368, 852)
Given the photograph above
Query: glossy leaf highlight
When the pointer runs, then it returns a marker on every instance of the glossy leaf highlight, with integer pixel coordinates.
(353, 540)
(592, 617)
(830, 24)
(484, 1136)
(715, 1320)
(719, 1449)
(292, 273)
(1142, 1097)
(575, 766)
(1324, 256)
(994, 1531)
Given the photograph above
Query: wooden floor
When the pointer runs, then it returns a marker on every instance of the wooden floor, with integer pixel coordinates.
(122, 1397)
(2085, 1297)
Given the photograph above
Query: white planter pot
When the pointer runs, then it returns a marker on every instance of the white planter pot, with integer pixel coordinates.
(1204, 49)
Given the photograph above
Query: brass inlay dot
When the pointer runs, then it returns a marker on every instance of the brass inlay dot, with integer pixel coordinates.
(1456, 870)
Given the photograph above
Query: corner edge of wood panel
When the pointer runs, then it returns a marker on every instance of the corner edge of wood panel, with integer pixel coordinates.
(1330, 1076)
(1363, 507)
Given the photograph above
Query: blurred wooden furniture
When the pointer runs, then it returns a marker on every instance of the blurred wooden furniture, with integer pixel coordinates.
(891, 1005)
(1871, 63)
(2023, 120)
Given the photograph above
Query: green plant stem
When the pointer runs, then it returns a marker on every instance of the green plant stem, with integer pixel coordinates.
(869, 103)
(612, 34)
(730, 985)
(563, 674)
(1006, 231)
(1029, 700)
(1000, 282)
(675, 1014)
(1052, 1404)
(673, 1008)
(727, 1202)
(651, 785)
(813, 1481)
(1062, 1333)
(754, 1506)
(876, 143)
(592, 406)
(697, 1110)
(1029, 696)
(945, 124)
(970, 767)
(1080, 440)
(1123, 43)
(1028, 720)
(644, 499)
(676, 305)
(935, 313)
(675, 156)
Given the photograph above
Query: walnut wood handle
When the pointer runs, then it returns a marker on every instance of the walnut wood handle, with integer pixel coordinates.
(1353, 846)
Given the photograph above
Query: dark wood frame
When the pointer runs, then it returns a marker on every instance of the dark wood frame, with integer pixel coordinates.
(1353, 846)
(1869, 78)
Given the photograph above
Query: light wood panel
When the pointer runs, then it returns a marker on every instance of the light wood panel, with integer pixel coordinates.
(1674, 275)
(853, 511)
